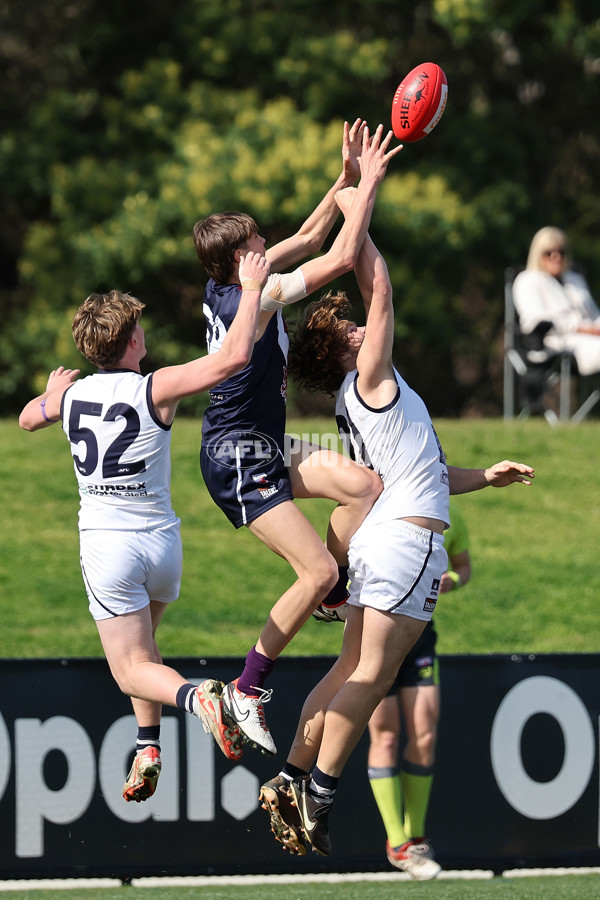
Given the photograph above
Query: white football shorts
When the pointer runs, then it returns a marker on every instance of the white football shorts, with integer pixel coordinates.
(124, 570)
(396, 567)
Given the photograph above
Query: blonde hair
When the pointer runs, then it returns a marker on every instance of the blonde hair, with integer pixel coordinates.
(545, 239)
(103, 325)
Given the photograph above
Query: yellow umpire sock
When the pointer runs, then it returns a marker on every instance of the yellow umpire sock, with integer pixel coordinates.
(385, 784)
(415, 783)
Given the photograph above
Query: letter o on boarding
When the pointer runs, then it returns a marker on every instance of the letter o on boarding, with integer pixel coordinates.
(536, 800)
(5, 756)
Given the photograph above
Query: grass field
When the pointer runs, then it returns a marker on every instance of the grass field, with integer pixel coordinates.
(534, 550)
(534, 586)
(552, 887)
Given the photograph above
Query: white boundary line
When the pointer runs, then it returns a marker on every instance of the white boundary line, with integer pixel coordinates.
(314, 878)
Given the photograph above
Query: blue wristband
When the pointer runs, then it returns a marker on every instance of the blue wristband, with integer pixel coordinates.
(43, 408)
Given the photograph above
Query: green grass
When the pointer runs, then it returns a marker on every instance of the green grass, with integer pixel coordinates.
(534, 550)
(554, 887)
(534, 553)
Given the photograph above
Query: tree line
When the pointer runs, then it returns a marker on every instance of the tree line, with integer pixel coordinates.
(120, 126)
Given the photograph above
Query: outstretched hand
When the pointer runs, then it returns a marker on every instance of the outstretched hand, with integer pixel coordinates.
(61, 378)
(506, 472)
(351, 148)
(375, 155)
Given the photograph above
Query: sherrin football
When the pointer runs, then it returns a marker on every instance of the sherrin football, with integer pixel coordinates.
(419, 102)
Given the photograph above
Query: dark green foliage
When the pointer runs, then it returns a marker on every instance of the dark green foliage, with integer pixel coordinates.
(119, 130)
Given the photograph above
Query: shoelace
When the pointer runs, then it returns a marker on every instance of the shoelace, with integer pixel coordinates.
(264, 696)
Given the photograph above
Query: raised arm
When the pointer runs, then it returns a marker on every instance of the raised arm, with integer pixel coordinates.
(309, 239)
(343, 255)
(171, 384)
(501, 474)
(376, 380)
(44, 410)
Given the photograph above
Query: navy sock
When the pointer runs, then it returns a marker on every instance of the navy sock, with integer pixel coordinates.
(289, 772)
(322, 785)
(339, 592)
(185, 697)
(147, 736)
(256, 670)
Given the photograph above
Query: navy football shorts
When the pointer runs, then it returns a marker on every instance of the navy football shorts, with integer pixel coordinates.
(245, 485)
(420, 667)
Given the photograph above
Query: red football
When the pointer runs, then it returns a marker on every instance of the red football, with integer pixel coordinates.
(419, 102)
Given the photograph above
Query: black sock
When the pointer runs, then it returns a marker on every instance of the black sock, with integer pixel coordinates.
(289, 772)
(339, 592)
(147, 736)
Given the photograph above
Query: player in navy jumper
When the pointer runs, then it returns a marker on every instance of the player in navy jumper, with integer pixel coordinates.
(242, 455)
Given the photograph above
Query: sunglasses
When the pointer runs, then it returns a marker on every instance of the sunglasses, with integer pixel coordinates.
(560, 252)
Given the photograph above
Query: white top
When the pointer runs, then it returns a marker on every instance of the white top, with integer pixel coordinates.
(538, 297)
(399, 442)
(121, 452)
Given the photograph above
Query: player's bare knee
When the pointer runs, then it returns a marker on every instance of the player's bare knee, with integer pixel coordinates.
(387, 742)
(123, 683)
(374, 487)
(366, 487)
(426, 745)
(321, 577)
(343, 667)
(326, 580)
(125, 677)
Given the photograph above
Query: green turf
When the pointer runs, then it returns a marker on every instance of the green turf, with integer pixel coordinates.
(534, 550)
(534, 553)
(554, 887)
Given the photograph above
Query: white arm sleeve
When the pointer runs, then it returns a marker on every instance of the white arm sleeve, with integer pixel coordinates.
(281, 290)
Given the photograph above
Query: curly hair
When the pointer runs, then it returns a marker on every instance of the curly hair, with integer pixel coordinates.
(318, 343)
(103, 325)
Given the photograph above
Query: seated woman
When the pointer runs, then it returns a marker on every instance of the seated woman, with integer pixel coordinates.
(548, 290)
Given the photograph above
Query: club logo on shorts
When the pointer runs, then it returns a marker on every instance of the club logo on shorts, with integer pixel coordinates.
(429, 604)
(424, 662)
(265, 489)
(242, 449)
